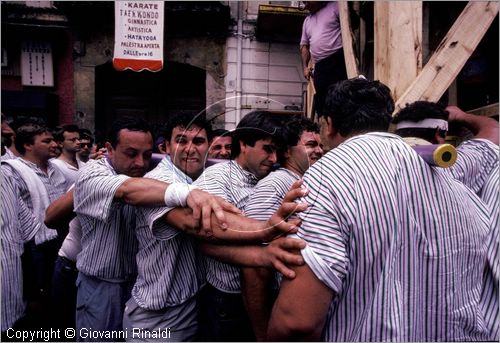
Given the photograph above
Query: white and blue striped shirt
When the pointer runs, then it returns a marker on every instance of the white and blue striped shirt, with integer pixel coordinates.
(55, 184)
(18, 226)
(267, 198)
(235, 185)
(269, 193)
(108, 240)
(170, 268)
(477, 167)
(399, 242)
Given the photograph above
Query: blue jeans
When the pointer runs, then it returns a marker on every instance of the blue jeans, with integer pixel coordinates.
(100, 305)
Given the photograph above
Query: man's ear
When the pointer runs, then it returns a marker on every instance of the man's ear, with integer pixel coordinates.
(28, 147)
(286, 154)
(330, 129)
(109, 148)
(167, 147)
(243, 147)
(439, 137)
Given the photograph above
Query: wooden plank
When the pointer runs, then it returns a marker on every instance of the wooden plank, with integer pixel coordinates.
(309, 99)
(348, 40)
(398, 43)
(452, 53)
(488, 110)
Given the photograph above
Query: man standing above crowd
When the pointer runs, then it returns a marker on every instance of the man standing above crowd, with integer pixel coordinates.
(394, 246)
(303, 148)
(322, 40)
(476, 167)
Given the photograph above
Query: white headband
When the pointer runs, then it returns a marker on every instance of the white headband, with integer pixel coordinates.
(424, 124)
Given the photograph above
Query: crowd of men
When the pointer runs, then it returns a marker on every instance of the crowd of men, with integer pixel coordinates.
(256, 233)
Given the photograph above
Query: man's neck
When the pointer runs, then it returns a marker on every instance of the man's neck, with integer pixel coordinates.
(69, 158)
(42, 164)
(13, 150)
(242, 163)
(293, 168)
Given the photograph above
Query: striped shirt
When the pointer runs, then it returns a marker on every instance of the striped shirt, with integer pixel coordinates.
(68, 170)
(55, 185)
(399, 242)
(108, 241)
(269, 193)
(168, 261)
(18, 226)
(477, 167)
(267, 198)
(235, 185)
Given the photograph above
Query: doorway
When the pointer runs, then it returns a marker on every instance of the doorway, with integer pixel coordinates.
(177, 89)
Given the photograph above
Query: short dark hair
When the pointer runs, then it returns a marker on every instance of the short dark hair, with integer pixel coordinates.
(128, 123)
(221, 133)
(186, 121)
(60, 130)
(22, 120)
(292, 130)
(358, 106)
(25, 134)
(417, 111)
(255, 126)
(86, 134)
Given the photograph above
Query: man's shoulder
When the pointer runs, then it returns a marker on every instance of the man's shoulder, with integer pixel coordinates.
(278, 176)
(219, 169)
(479, 145)
(166, 171)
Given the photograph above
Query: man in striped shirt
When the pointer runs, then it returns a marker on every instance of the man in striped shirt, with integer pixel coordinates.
(476, 167)
(18, 227)
(39, 182)
(394, 246)
(170, 268)
(303, 148)
(104, 195)
(254, 154)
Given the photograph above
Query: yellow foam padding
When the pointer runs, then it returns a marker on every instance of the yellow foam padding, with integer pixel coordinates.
(445, 155)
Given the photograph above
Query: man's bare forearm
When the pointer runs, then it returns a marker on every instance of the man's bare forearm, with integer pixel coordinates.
(60, 211)
(142, 191)
(481, 127)
(240, 229)
(256, 287)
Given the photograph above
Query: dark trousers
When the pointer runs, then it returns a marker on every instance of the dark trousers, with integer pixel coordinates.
(38, 266)
(63, 296)
(327, 72)
(222, 317)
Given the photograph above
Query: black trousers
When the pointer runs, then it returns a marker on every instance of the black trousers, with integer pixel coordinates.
(327, 72)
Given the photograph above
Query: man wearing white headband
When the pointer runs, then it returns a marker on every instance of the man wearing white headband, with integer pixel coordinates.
(422, 122)
(476, 167)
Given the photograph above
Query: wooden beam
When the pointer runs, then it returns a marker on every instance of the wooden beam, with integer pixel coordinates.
(347, 40)
(488, 110)
(452, 53)
(398, 43)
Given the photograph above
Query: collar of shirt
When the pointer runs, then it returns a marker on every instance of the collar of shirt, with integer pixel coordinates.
(249, 177)
(178, 175)
(376, 134)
